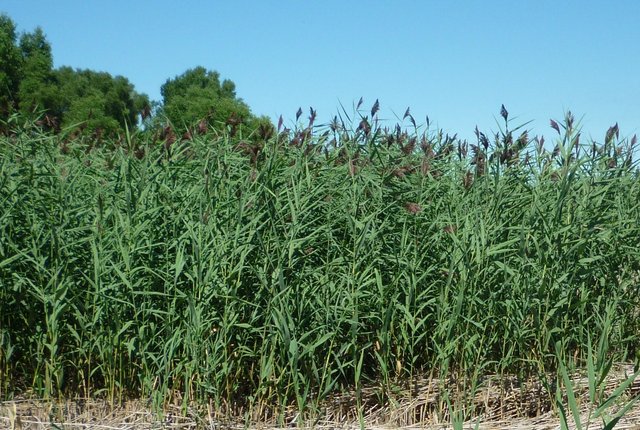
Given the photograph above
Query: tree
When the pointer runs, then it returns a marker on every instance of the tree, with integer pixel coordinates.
(198, 94)
(92, 102)
(96, 102)
(37, 90)
(10, 66)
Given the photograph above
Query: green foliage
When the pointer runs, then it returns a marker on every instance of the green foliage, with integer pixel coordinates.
(10, 65)
(198, 94)
(267, 277)
(37, 91)
(88, 101)
(96, 101)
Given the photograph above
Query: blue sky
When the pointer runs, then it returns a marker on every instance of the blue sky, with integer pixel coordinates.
(455, 61)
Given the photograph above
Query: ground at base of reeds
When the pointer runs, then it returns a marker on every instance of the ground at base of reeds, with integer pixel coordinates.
(502, 403)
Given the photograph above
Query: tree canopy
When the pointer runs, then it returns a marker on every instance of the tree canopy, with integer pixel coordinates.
(97, 100)
(98, 103)
(37, 89)
(83, 100)
(10, 65)
(198, 94)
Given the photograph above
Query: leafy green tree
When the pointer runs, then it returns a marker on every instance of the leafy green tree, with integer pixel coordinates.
(10, 66)
(89, 101)
(198, 94)
(38, 88)
(96, 101)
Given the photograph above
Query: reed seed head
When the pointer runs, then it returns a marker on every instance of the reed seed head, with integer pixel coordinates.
(139, 152)
(467, 181)
(202, 127)
(375, 108)
(413, 208)
(353, 169)
(613, 131)
(168, 136)
(482, 139)
(539, 144)
(312, 116)
(504, 113)
(569, 119)
(364, 126)
(427, 148)
(265, 131)
(409, 147)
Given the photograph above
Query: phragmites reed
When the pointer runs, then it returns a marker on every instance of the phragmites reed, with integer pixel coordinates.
(347, 271)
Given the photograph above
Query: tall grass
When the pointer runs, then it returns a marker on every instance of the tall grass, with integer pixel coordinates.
(262, 276)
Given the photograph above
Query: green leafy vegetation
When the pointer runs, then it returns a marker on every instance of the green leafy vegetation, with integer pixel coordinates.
(80, 101)
(269, 276)
(9, 65)
(197, 95)
(99, 105)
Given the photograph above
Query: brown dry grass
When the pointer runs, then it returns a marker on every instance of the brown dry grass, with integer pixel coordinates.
(502, 403)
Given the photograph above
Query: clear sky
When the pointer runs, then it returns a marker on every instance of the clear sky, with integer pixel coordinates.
(455, 61)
